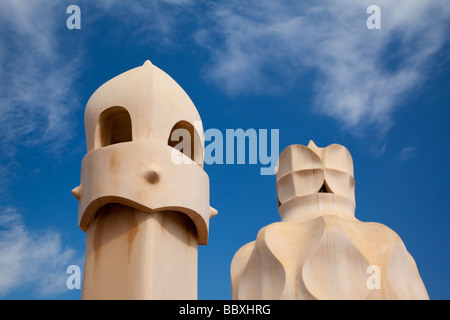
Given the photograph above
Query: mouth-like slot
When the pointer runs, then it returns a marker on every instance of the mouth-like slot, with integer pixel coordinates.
(325, 188)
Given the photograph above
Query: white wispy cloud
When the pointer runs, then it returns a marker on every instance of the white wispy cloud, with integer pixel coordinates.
(32, 260)
(36, 77)
(407, 153)
(261, 47)
(35, 107)
(362, 75)
(155, 21)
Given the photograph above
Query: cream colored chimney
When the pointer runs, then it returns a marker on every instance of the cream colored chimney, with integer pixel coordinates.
(320, 250)
(144, 214)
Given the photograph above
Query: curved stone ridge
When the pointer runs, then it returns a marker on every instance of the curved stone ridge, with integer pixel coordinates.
(143, 199)
(129, 122)
(320, 250)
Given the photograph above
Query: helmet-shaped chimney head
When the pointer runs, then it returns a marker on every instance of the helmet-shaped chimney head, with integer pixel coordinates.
(129, 122)
(142, 103)
(307, 173)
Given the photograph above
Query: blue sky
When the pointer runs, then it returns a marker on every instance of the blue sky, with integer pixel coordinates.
(313, 70)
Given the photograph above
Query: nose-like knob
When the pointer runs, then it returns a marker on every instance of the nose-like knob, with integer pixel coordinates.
(77, 192)
(152, 175)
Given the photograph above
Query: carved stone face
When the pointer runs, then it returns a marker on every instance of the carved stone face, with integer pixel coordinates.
(308, 174)
(129, 123)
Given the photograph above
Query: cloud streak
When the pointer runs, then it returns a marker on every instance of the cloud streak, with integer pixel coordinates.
(35, 260)
(36, 77)
(362, 75)
(407, 153)
(155, 21)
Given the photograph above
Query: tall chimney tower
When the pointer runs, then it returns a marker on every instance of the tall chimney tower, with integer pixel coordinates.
(143, 210)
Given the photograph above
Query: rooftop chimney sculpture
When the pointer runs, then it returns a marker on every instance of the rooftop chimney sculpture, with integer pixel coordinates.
(320, 250)
(144, 214)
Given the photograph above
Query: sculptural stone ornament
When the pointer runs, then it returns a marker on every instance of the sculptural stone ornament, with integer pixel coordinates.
(144, 205)
(144, 214)
(320, 250)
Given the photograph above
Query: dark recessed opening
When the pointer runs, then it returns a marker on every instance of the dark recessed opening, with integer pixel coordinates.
(115, 126)
(183, 125)
(325, 188)
(192, 148)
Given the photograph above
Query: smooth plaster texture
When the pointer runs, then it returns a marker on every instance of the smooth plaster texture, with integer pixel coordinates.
(144, 211)
(320, 250)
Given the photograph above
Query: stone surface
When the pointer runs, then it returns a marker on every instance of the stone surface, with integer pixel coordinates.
(143, 203)
(320, 250)
(136, 255)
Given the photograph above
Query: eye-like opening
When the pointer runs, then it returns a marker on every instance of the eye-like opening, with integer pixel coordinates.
(186, 139)
(325, 188)
(114, 126)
